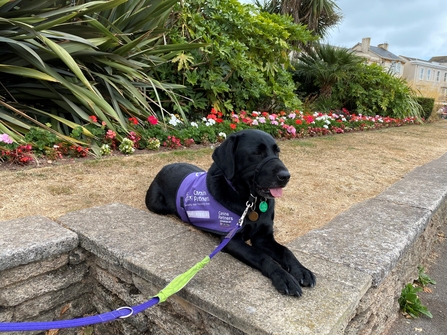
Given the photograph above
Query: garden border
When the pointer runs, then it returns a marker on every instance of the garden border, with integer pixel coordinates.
(110, 256)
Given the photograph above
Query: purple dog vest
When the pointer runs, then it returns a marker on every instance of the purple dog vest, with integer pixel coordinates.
(195, 205)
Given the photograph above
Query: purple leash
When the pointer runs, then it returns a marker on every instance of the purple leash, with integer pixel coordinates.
(119, 313)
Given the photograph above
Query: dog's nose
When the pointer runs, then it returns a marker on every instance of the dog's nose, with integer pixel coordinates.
(283, 175)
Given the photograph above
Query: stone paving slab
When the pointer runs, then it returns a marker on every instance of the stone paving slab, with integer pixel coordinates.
(159, 248)
(370, 237)
(424, 187)
(33, 238)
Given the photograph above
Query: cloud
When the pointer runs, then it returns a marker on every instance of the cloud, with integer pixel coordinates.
(414, 28)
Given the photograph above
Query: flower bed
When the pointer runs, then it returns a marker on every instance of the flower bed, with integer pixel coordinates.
(174, 133)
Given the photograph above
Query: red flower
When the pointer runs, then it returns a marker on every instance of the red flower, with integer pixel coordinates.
(211, 116)
(233, 126)
(133, 120)
(213, 111)
(152, 120)
(298, 121)
(93, 118)
(219, 120)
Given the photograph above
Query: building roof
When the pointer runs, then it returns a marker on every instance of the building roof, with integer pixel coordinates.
(439, 59)
(384, 53)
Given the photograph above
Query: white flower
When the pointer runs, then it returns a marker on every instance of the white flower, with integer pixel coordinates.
(174, 121)
(325, 126)
(193, 124)
(210, 122)
(222, 134)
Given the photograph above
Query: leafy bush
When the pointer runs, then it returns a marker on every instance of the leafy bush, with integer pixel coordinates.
(427, 104)
(370, 90)
(243, 65)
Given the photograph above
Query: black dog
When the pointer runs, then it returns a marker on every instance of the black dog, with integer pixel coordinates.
(246, 172)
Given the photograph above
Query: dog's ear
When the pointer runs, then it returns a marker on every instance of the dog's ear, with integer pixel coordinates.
(223, 156)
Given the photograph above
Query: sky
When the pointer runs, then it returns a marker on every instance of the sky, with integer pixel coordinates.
(412, 28)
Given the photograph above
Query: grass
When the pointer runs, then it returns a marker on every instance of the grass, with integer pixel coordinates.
(329, 175)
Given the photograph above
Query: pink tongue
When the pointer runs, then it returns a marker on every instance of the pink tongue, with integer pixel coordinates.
(276, 192)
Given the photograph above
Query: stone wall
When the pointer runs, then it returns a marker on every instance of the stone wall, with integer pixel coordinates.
(98, 259)
(42, 276)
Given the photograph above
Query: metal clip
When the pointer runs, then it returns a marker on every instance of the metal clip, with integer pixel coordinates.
(128, 315)
(241, 219)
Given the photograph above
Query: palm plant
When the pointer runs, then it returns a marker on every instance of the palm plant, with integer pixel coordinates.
(324, 66)
(318, 15)
(61, 64)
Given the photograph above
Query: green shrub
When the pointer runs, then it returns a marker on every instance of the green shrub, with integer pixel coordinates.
(370, 90)
(243, 65)
(427, 104)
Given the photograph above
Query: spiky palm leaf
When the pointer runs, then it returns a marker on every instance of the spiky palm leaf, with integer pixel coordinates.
(75, 61)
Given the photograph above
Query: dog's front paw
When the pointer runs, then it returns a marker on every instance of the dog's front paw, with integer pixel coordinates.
(285, 283)
(304, 276)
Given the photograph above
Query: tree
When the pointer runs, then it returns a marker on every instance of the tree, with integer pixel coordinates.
(317, 15)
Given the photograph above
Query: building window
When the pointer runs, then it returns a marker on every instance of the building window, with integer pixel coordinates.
(438, 75)
(445, 77)
(428, 74)
(421, 73)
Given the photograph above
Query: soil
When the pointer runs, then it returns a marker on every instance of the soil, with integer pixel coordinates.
(329, 175)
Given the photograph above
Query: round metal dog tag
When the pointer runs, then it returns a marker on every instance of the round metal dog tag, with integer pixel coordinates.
(263, 206)
(253, 216)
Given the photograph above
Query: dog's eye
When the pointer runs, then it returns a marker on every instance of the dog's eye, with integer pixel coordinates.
(277, 150)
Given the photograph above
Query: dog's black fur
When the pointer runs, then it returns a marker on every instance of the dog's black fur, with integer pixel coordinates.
(231, 178)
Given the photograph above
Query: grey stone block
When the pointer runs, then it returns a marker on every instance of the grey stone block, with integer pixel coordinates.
(371, 236)
(32, 239)
(60, 279)
(424, 187)
(51, 300)
(27, 271)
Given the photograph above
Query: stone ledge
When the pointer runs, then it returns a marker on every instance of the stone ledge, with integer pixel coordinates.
(32, 239)
(158, 248)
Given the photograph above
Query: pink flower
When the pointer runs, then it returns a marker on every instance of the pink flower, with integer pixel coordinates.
(291, 130)
(110, 134)
(6, 139)
(152, 120)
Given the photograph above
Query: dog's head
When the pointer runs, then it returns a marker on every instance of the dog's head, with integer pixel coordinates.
(250, 162)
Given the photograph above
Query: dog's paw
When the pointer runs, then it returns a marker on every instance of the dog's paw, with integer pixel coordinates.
(285, 283)
(304, 276)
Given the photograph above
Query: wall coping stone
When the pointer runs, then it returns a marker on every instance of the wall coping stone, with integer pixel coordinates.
(33, 238)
